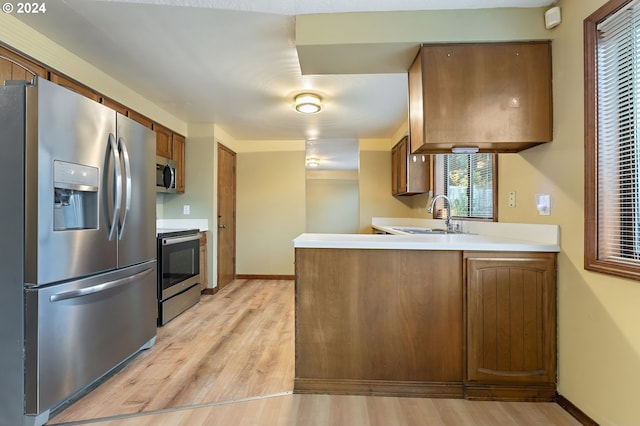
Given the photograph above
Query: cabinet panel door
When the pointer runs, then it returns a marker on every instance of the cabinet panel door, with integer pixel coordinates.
(179, 157)
(511, 335)
(163, 141)
(146, 122)
(409, 172)
(75, 86)
(496, 96)
(15, 67)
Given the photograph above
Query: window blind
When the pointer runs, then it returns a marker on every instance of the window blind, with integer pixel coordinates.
(467, 180)
(618, 149)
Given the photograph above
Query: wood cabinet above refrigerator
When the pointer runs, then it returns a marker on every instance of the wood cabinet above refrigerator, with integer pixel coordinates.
(496, 97)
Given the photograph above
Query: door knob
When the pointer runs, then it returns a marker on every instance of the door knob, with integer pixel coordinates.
(222, 226)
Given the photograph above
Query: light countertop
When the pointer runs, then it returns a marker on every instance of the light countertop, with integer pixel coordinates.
(201, 224)
(483, 236)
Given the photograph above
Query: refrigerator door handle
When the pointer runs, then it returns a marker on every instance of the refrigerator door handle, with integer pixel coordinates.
(118, 186)
(127, 176)
(98, 288)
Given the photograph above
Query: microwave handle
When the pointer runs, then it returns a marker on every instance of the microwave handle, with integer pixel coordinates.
(173, 177)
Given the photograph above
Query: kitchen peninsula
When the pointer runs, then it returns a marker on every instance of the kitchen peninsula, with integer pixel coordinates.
(466, 315)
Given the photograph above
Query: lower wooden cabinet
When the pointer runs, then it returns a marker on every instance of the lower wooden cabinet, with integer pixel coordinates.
(379, 322)
(510, 326)
(478, 325)
(204, 281)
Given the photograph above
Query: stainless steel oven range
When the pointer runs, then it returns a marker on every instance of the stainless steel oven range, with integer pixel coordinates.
(178, 272)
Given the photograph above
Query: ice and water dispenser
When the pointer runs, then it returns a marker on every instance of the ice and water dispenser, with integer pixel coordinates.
(75, 204)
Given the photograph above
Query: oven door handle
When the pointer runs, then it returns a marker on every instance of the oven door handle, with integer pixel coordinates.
(178, 240)
(97, 288)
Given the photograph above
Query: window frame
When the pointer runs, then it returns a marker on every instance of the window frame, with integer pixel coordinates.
(592, 261)
(438, 184)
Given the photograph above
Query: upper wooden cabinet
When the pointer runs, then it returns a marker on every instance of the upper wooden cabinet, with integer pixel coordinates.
(493, 96)
(172, 145)
(409, 172)
(178, 147)
(75, 86)
(16, 67)
(164, 141)
(116, 106)
(139, 118)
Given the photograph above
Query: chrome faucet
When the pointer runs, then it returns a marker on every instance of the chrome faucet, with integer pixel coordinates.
(433, 203)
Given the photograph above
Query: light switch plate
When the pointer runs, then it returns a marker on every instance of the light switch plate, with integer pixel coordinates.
(543, 204)
(512, 199)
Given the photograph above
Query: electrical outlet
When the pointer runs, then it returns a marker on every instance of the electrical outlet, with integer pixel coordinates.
(186, 209)
(512, 199)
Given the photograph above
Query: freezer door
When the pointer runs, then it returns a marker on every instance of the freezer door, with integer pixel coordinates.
(69, 186)
(137, 222)
(78, 331)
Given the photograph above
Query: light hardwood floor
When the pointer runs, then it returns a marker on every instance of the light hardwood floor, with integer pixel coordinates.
(230, 361)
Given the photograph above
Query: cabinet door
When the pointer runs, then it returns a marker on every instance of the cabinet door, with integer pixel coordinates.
(399, 169)
(146, 122)
(164, 141)
(409, 172)
(16, 67)
(116, 106)
(204, 282)
(178, 157)
(511, 320)
(75, 86)
(416, 112)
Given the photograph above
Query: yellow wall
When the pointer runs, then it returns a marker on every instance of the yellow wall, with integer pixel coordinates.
(599, 318)
(332, 203)
(375, 184)
(270, 210)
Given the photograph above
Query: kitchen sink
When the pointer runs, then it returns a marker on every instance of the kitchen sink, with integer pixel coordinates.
(410, 230)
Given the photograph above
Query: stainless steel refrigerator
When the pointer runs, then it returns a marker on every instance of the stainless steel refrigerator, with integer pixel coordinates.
(77, 247)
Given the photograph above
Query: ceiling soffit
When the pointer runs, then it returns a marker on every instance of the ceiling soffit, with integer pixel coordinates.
(376, 43)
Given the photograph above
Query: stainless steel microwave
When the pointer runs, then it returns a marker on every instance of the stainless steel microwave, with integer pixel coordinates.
(165, 174)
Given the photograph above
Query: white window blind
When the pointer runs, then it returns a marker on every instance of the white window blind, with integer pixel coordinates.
(618, 146)
(467, 180)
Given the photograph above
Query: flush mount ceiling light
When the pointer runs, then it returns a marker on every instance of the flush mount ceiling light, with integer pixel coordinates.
(307, 103)
(313, 162)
